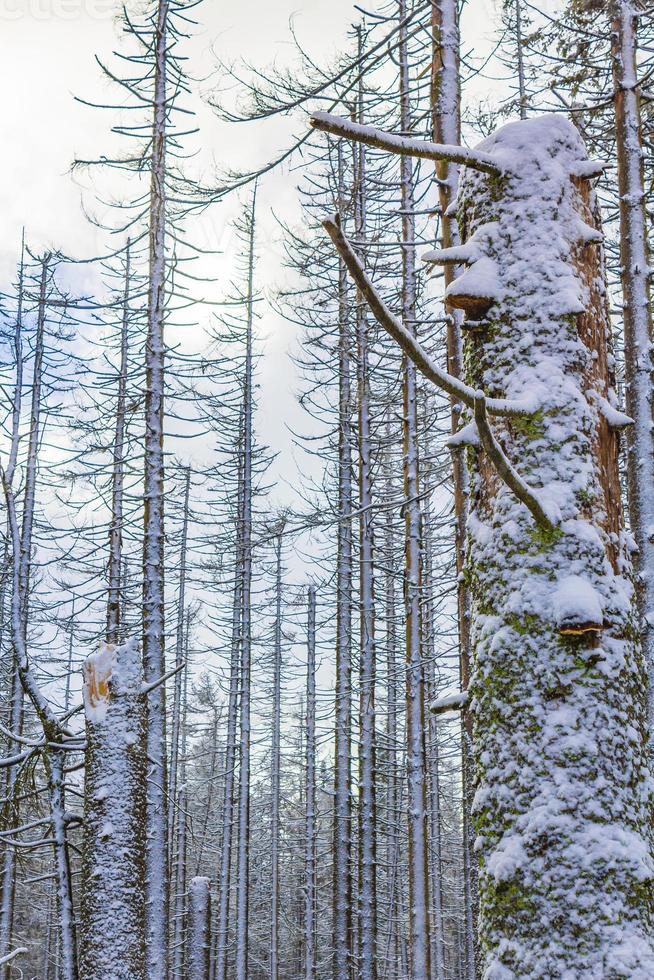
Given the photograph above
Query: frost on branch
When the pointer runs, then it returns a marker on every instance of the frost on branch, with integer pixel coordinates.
(112, 920)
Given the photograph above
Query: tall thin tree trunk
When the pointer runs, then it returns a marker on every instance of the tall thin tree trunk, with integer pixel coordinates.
(179, 805)
(153, 537)
(275, 768)
(446, 126)
(367, 760)
(342, 868)
(24, 560)
(243, 849)
(199, 929)
(637, 314)
(310, 854)
(54, 763)
(224, 879)
(179, 660)
(419, 941)
(118, 476)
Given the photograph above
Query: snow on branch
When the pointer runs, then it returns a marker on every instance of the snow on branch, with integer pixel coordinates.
(403, 145)
(450, 702)
(411, 347)
(15, 952)
(506, 471)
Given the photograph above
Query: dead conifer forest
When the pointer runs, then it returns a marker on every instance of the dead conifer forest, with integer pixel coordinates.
(326, 490)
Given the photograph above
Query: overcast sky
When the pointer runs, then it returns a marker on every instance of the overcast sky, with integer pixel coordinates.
(47, 57)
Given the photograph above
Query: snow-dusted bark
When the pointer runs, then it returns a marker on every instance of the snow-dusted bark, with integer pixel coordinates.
(310, 846)
(179, 833)
(54, 764)
(342, 870)
(199, 929)
(637, 314)
(562, 806)
(7, 883)
(275, 768)
(416, 762)
(446, 110)
(153, 537)
(118, 475)
(367, 921)
(227, 821)
(243, 845)
(112, 919)
(180, 676)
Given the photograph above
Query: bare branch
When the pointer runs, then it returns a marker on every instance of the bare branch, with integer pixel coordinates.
(411, 347)
(404, 146)
(504, 468)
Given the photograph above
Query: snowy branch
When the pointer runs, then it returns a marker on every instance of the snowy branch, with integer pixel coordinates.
(402, 145)
(450, 702)
(146, 688)
(504, 468)
(411, 347)
(14, 952)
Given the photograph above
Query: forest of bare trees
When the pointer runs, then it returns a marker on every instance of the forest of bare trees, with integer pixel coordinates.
(378, 708)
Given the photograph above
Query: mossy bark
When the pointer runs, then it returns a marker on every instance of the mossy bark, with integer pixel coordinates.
(562, 808)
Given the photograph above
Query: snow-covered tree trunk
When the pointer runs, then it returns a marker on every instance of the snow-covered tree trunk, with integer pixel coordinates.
(199, 929)
(563, 803)
(310, 852)
(393, 780)
(562, 806)
(367, 762)
(153, 537)
(446, 126)
(178, 805)
(112, 918)
(227, 821)
(114, 567)
(637, 314)
(8, 883)
(342, 867)
(434, 763)
(179, 660)
(243, 847)
(275, 768)
(416, 763)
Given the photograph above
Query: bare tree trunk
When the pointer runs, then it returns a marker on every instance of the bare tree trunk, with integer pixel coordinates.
(11, 816)
(112, 920)
(275, 769)
(179, 806)
(180, 676)
(153, 538)
(637, 314)
(118, 476)
(416, 761)
(446, 112)
(243, 849)
(224, 881)
(54, 762)
(367, 760)
(342, 868)
(199, 940)
(310, 853)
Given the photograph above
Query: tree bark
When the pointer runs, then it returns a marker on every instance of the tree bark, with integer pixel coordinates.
(637, 315)
(112, 918)
(153, 537)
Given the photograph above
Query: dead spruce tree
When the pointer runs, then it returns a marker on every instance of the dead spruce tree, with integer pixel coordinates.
(112, 916)
(562, 808)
